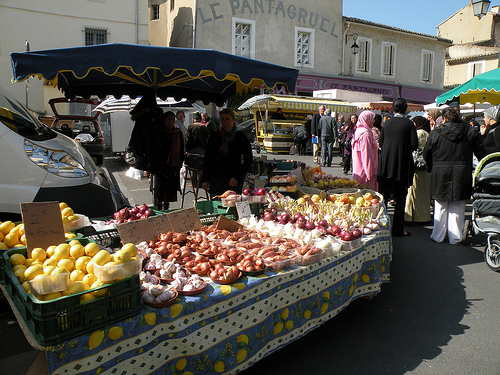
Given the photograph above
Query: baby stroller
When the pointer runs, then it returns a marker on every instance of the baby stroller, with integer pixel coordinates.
(486, 207)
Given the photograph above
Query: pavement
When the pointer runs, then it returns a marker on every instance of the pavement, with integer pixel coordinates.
(436, 316)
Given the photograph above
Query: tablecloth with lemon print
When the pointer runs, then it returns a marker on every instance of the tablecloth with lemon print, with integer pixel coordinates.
(228, 328)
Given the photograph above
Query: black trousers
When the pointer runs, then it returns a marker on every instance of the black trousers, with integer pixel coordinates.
(392, 188)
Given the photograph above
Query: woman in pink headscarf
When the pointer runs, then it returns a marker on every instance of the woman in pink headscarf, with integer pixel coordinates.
(364, 152)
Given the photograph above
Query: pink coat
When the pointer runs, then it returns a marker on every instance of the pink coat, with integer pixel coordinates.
(365, 153)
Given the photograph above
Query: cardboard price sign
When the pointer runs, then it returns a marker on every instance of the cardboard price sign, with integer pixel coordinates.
(228, 224)
(43, 226)
(184, 220)
(136, 231)
(243, 209)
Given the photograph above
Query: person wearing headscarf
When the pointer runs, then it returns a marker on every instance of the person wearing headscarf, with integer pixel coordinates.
(448, 156)
(165, 181)
(377, 126)
(398, 139)
(418, 200)
(365, 152)
(491, 138)
(228, 157)
(435, 119)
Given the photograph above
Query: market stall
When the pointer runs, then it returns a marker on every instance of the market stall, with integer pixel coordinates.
(276, 135)
(230, 327)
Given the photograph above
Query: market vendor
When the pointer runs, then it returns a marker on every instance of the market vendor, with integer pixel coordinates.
(228, 157)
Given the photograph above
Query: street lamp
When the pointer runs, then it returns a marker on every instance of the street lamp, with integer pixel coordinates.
(354, 47)
(480, 7)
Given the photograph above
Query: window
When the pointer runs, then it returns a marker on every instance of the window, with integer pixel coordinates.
(474, 68)
(95, 35)
(427, 66)
(155, 12)
(172, 5)
(388, 59)
(244, 38)
(304, 47)
(363, 64)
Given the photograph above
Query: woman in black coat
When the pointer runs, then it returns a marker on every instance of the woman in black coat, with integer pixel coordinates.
(491, 137)
(448, 155)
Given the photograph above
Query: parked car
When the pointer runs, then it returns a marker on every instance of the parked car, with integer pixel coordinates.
(248, 128)
(74, 118)
(39, 165)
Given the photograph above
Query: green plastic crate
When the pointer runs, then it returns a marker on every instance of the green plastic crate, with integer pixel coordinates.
(61, 319)
(209, 211)
(106, 238)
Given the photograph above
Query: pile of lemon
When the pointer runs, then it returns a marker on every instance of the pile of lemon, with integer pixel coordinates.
(11, 235)
(74, 259)
(69, 218)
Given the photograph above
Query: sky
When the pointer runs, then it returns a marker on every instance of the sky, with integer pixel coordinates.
(421, 16)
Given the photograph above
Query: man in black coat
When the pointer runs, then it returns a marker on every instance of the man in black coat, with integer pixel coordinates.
(316, 132)
(398, 139)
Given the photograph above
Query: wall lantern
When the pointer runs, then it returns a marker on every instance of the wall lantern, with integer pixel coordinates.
(354, 47)
(480, 7)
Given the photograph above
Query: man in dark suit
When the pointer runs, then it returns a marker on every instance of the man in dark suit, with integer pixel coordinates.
(316, 132)
(398, 139)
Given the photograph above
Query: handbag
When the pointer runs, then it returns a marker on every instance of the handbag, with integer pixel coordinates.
(293, 149)
(418, 158)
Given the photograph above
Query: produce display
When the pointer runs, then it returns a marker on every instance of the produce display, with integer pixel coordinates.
(130, 214)
(83, 268)
(316, 178)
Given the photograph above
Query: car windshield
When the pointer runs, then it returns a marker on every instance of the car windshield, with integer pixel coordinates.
(17, 118)
(72, 128)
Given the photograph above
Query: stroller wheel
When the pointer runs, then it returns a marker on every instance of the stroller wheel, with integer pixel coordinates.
(492, 255)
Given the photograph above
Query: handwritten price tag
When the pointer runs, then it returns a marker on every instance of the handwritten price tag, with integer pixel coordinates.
(43, 224)
(136, 231)
(243, 209)
(184, 220)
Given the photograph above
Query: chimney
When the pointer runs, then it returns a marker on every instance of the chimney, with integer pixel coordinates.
(495, 9)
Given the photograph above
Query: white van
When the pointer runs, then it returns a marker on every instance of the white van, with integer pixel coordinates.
(38, 164)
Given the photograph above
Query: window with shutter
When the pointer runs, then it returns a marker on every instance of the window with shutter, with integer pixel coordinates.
(388, 52)
(427, 66)
(244, 38)
(363, 56)
(95, 35)
(304, 47)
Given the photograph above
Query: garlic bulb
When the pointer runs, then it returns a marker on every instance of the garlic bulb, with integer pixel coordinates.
(148, 297)
(156, 290)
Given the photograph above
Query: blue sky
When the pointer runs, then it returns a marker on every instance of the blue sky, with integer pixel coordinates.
(421, 16)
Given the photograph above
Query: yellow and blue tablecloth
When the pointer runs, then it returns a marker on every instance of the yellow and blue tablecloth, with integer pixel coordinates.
(228, 328)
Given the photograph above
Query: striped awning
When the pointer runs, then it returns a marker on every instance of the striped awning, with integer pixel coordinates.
(297, 103)
(386, 106)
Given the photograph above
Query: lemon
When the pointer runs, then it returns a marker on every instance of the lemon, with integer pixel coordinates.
(17, 267)
(86, 298)
(101, 258)
(16, 259)
(50, 262)
(130, 247)
(11, 240)
(181, 364)
(47, 270)
(22, 239)
(59, 270)
(51, 296)
(74, 242)
(32, 271)
(6, 227)
(150, 318)
(61, 252)
(122, 256)
(77, 287)
(90, 267)
(50, 250)
(29, 262)
(91, 249)
(72, 218)
(89, 279)
(62, 205)
(21, 229)
(38, 254)
(115, 333)
(65, 220)
(19, 245)
(3, 246)
(20, 275)
(66, 263)
(68, 211)
(77, 250)
(76, 275)
(70, 235)
(1, 236)
(65, 293)
(26, 287)
(81, 263)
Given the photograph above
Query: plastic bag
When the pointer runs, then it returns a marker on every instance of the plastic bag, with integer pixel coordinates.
(133, 173)
(293, 149)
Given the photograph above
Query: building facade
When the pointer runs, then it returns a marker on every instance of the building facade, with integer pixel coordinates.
(313, 37)
(476, 44)
(52, 24)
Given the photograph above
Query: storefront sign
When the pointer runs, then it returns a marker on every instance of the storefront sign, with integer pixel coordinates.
(303, 16)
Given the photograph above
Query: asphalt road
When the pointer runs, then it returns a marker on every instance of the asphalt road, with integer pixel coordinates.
(438, 315)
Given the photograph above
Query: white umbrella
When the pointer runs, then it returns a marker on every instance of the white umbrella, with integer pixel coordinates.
(126, 104)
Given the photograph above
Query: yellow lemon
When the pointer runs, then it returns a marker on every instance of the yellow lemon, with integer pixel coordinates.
(51, 296)
(131, 248)
(90, 267)
(59, 270)
(289, 325)
(77, 250)
(115, 333)
(74, 242)
(20, 275)
(91, 249)
(89, 279)
(61, 251)
(101, 258)
(32, 271)
(3, 246)
(38, 254)
(278, 328)
(284, 314)
(99, 292)
(175, 310)
(65, 220)
(16, 259)
(70, 235)
(324, 307)
(21, 229)
(1, 236)
(81, 263)
(150, 318)
(62, 205)
(66, 263)
(68, 211)
(50, 250)
(76, 275)
(22, 239)
(47, 270)
(243, 339)
(72, 218)
(50, 262)
(86, 298)
(181, 363)
(11, 240)
(365, 278)
(19, 245)
(242, 354)
(26, 287)
(17, 267)
(95, 338)
(29, 262)
(6, 227)
(301, 201)
(65, 293)
(307, 314)
(122, 256)
(77, 287)
(219, 366)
